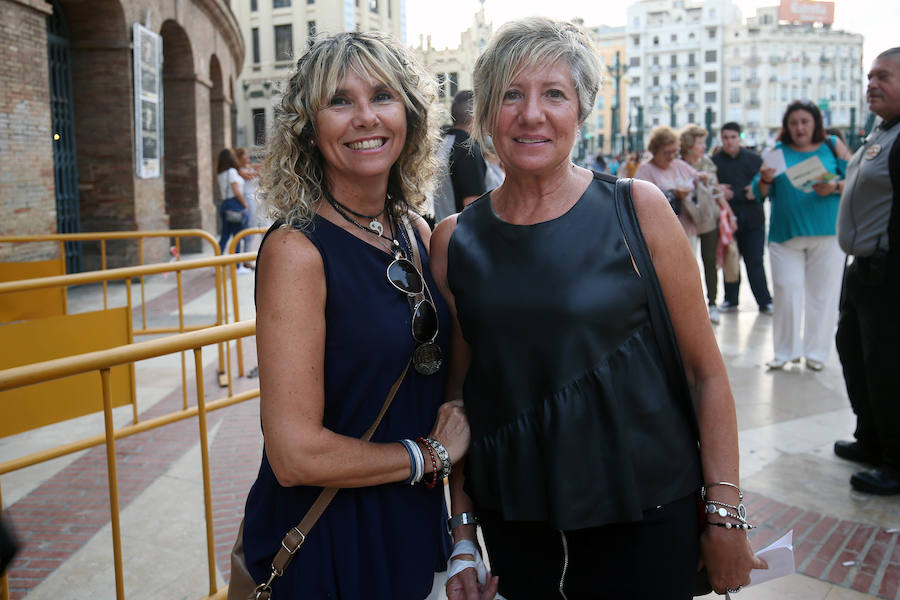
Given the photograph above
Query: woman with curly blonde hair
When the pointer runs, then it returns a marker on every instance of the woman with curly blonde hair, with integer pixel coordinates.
(347, 310)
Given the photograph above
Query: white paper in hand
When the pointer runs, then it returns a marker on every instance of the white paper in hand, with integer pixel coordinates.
(779, 555)
(775, 159)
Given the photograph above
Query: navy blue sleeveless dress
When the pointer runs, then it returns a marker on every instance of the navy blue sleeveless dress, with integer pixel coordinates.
(384, 541)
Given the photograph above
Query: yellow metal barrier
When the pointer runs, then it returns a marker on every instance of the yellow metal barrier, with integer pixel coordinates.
(36, 304)
(103, 361)
(104, 236)
(234, 289)
(128, 273)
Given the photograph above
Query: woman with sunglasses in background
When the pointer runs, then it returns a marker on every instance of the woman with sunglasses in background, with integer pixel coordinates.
(805, 258)
(345, 301)
(583, 469)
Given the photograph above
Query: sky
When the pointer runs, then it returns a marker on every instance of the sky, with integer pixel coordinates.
(877, 20)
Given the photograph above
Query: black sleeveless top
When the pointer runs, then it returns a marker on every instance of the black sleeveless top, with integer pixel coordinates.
(573, 420)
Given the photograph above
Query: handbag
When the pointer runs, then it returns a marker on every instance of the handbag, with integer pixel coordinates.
(661, 323)
(241, 585)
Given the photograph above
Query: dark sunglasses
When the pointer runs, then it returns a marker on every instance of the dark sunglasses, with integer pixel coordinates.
(404, 276)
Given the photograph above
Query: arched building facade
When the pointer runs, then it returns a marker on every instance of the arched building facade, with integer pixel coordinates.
(67, 118)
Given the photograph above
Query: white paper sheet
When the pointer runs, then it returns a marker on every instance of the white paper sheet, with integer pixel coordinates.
(779, 555)
(775, 158)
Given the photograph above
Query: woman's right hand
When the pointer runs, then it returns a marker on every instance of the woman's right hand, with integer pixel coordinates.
(766, 173)
(452, 429)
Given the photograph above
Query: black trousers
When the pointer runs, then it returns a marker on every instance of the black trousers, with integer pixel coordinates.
(868, 343)
(751, 239)
(648, 560)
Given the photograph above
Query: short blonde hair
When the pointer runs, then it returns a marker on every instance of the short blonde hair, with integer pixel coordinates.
(526, 43)
(293, 177)
(689, 137)
(662, 135)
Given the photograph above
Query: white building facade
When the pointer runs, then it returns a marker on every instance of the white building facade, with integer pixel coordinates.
(674, 51)
(770, 64)
(276, 33)
(452, 67)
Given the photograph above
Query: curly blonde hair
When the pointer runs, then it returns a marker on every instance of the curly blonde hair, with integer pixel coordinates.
(293, 177)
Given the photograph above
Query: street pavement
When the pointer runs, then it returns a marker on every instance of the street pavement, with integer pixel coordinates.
(845, 542)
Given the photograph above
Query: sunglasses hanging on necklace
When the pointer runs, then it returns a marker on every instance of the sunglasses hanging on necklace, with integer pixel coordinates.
(406, 276)
(374, 226)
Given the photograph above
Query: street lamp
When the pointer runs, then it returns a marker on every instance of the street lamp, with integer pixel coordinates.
(672, 98)
(616, 71)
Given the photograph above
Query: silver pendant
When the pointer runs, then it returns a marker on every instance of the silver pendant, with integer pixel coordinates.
(376, 226)
(427, 358)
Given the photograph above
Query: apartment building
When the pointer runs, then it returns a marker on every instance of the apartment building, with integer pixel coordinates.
(770, 63)
(674, 51)
(276, 32)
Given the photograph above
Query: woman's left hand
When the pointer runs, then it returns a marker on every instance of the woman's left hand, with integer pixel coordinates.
(826, 188)
(728, 558)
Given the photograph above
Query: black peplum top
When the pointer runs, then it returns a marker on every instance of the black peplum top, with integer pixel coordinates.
(573, 419)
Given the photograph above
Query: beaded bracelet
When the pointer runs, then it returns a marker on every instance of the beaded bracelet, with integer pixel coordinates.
(732, 525)
(723, 512)
(434, 468)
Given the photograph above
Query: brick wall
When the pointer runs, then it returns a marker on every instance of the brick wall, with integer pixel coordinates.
(197, 34)
(27, 201)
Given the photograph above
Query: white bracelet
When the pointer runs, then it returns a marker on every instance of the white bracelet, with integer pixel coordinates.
(416, 462)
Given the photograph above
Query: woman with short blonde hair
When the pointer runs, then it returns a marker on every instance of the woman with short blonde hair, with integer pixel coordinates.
(710, 203)
(583, 469)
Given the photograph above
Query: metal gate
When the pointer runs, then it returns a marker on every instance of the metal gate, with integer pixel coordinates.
(62, 109)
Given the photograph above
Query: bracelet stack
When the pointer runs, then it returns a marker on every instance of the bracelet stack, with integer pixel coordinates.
(737, 512)
(440, 461)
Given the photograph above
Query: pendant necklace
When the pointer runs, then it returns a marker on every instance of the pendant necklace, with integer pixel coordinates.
(395, 250)
(374, 224)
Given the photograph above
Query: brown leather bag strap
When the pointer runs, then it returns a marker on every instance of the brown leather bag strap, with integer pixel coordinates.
(294, 538)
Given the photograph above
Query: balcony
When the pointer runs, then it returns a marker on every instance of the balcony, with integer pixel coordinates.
(774, 60)
(753, 60)
(752, 81)
(692, 85)
(655, 89)
(691, 106)
(753, 103)
(655, 68)
(655, 108)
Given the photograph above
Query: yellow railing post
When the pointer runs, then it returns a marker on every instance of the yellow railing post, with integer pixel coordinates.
(237, 312)
(204, 461)
(113, 482)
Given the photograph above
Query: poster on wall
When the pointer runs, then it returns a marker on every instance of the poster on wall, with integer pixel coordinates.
(147, 102)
